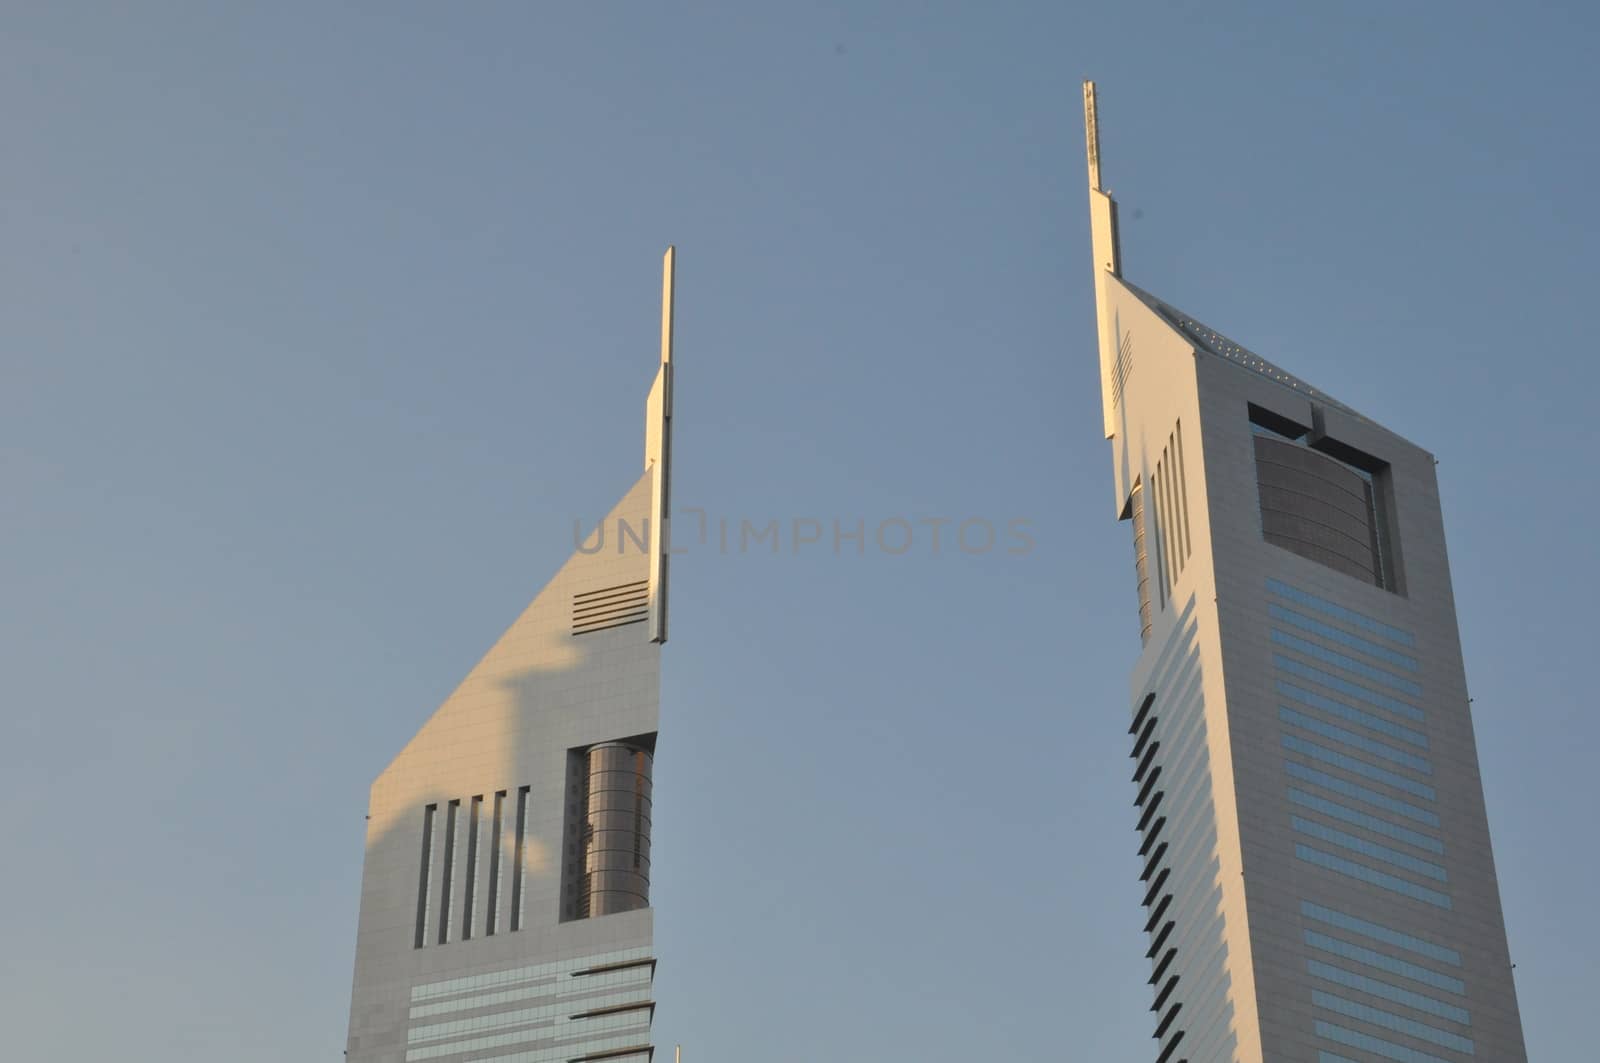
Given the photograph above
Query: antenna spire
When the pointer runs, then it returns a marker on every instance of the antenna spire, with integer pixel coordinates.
(1107, 255)
(1091, 132)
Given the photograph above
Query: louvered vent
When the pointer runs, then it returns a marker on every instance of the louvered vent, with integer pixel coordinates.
(626, 603)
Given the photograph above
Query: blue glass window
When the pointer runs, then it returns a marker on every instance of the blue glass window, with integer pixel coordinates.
(1359, 767)
(1361, 819)
(1374, 987)
(1348, 663)
(1384, 962)
(1354, 715)
(1356, 844)
(1342, 637)
(1350, 738)
(1378, 932)
(1344, 686)
(1337, 785)
(1339, 612)
(1389, 1021)
(1393, 883)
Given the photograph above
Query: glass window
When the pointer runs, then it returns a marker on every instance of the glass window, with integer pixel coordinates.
(1339, 612)
(1390, 1021)
(1384, 962)
(1355, 844)
(1362, 872)
(1381, 933)
(1337, 785)
(1348, 663)
(1361, 819)
(1344, 686)
(1350, 738)
(1341, 636)
(1359, 767)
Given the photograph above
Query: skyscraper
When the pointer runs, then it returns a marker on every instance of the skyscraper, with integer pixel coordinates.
(1317, 878)
(505, 897)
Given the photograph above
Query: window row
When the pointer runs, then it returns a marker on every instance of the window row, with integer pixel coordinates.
(1390, 1021)
(547, 986)
(1384, 962)
(575, 1030)
(1374, 987)
(1358, 767)
(522, 974)
(1348, 789)
(1363, 873)
(1354, 715)
(1376, 1045)
(555, 1009)
(1355, 844)
(1341, 636)
(1344, 686)
(1339, 612)
(599, 1047)
(1381, 933)
(1350, 738)
(1345, 661)
(1361, 819)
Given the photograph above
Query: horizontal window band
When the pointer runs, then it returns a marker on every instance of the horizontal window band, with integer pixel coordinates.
(1342, 637)
(1372, 823)
(1379, 932)
(621, 965)
(611, 1054)
(1385, 991)
(1372, 697)
(1384, 962)
(1350, 738)
(1311, 776)
(1390, 1021)
(1357, 844)
(615, 1009)
(1340, 612)
(1345, 661)
(1363, 873)
(1376, 1045)
(1353, 714)
(1359, 767)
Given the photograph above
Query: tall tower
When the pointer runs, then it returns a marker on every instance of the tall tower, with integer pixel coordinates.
(505, 897)
(1317, 879)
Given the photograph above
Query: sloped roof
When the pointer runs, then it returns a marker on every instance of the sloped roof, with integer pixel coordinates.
(1210, 341)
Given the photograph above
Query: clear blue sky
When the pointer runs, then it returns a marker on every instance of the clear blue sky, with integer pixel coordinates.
(320, 326)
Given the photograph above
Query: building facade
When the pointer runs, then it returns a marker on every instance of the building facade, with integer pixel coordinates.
(1317, 880)
(505, 895)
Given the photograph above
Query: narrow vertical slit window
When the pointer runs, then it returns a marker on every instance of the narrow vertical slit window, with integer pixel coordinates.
(1175, 525)
(447, 872)
(472, 869)
(422, 876)
(496, 844)
(1183, 493)
(1153, 515)
(517, 860)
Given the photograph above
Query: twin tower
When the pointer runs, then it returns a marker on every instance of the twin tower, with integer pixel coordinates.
(1316, 875)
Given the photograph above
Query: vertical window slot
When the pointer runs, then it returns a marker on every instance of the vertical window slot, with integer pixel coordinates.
(472, 869)
(422, 876)
(518, 863)
(1183, 493)
(447, 872)
(496, 843)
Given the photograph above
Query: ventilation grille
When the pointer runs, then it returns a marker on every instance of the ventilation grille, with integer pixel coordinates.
(1124, 366)
(626, 603)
